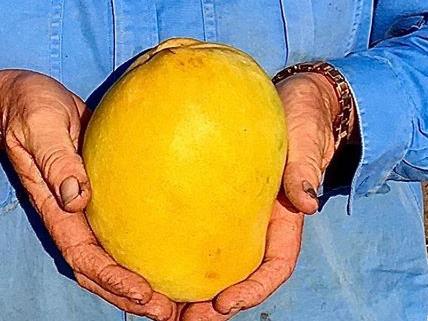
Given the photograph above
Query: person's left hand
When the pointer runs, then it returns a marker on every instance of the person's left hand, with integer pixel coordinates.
(282, 249)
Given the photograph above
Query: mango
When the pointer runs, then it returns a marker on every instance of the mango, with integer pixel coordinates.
(185, 154)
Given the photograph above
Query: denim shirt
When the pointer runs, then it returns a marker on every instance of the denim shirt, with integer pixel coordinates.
(363, 255)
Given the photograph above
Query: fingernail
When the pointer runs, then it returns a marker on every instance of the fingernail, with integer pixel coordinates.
(235, 307)
(69, 189)
(234, 311)
(308, 189)
(140, 302)
(137, 297)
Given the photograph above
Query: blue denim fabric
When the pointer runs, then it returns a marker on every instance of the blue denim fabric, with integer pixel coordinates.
(370, 265)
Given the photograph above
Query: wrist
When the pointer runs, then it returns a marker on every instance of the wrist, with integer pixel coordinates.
(327, 92)
(334, 106)
(332, 90)
(310, 84)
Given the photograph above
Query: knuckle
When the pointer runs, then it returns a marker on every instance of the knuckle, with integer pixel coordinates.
(55, 159)
(51, 157)
(257, 290)
(79, 256)
(42, 115)
(119, 302)
(107, 276)
(43, 206)
(110, 277)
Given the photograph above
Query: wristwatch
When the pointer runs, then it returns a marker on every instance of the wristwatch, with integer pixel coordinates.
(341, 124)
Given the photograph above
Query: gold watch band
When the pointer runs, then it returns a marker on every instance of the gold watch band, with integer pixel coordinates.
(341, 124)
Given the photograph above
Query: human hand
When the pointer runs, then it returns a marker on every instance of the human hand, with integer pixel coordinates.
(282, 250)
(310, 106)
(41, 124)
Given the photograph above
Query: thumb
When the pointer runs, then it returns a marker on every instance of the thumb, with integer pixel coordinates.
(52, 140)
(310, 139)
(310, 150)
(301, 181)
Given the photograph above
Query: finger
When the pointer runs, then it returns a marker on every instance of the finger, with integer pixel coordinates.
(282, 250)
(303, 170)
(301, 181)
(310, 143)
(33, 181)
(178, 310)
(159, 307)
(84, 113)
(74, 237)
(52, 136)
(77, 243)
(91, 261)
(204, 311)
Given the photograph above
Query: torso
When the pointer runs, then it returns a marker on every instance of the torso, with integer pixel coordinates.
(80, 43)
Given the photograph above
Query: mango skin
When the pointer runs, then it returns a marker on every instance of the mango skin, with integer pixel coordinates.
(185, 156)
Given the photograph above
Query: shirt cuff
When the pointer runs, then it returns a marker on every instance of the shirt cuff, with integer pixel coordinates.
(385, 114)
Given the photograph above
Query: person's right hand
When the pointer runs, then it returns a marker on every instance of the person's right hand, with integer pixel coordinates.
(40, 129)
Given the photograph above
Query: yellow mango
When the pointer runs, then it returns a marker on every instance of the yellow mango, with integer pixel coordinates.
(185, 154)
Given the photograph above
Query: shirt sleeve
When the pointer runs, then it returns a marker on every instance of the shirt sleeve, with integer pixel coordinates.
(390, 84)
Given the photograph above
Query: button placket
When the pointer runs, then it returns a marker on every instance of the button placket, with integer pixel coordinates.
(135, 28)
(210, 26)
(55, 41)
(300, 26)
(121, 32)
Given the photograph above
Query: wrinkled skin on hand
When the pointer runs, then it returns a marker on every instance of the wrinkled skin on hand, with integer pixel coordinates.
(41, 123)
